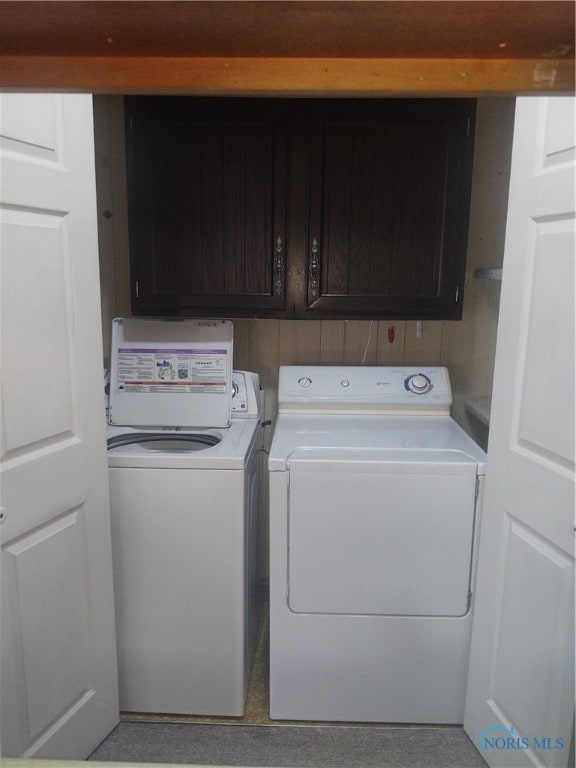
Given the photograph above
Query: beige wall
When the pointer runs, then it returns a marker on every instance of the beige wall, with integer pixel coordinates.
(466, 347)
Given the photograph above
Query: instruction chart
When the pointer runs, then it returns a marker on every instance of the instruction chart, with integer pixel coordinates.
(172, 370)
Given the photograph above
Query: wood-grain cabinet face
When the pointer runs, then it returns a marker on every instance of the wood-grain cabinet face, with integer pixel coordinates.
(299, 208)
(390, 191)
(206, 191)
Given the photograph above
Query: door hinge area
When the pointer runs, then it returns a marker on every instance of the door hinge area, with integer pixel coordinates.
(477, 491)
(469, 603)
(137, 290)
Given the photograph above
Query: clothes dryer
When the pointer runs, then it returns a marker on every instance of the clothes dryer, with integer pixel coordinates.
(375, 497)
(185, 503)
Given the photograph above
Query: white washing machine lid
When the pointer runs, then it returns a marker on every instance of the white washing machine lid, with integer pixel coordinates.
(170, 451)
(372, 439)
(171, 373)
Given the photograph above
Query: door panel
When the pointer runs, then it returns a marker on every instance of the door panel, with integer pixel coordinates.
(59, 682)
(521, 674)
(36, 244)
(207, 186)
(387, 539)
(533, 565)
(389, 197)
(546, 428)
(54, 642)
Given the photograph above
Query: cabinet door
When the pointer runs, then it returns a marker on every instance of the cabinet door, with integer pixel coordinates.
(207, 181)
(389, 198)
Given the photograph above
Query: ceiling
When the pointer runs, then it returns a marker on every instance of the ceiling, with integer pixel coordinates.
(297, 47)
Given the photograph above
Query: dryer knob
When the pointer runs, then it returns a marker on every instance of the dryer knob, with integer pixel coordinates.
(419, 384)
(305, 382)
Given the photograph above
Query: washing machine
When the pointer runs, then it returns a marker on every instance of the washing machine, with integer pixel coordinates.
(375, 498)
(184, 455)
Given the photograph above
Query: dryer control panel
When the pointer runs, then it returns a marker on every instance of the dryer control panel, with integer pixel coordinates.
(349, 389)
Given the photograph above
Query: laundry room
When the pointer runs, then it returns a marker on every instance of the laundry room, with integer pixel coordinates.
(267, 345)
(288, 421)
(466, 347)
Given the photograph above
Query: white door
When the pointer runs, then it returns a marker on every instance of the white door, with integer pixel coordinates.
(520, 699)
(58, 655)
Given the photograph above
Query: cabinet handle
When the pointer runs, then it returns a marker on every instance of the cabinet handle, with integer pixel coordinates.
(314, 270)
(279, 267)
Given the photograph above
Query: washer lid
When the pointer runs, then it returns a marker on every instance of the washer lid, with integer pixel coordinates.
(171, 373)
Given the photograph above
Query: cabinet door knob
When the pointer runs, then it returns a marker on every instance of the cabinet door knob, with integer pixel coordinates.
(314, 270)
(279, 267)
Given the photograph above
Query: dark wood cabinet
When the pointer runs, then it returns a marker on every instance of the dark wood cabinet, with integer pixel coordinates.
(299, 208)
(207, 187)
(388, 213)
